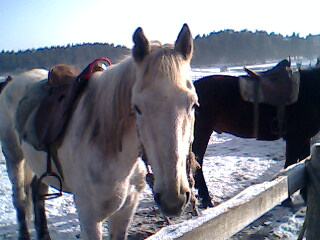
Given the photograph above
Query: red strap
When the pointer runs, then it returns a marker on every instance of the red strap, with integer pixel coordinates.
(88, 72)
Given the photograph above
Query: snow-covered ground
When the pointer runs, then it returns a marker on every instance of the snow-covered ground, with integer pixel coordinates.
(231, 164)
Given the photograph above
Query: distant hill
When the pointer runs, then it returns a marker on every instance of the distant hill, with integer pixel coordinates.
(246, 47)
(79, 55)
(217, 48)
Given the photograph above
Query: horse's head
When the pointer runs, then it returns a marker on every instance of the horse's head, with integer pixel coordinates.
(164, 99)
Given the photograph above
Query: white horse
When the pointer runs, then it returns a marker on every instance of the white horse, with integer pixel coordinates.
(146, 100)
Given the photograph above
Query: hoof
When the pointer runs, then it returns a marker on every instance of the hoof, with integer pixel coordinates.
(287, 203)
(304, 194)
(24, 237)
(195, 212)
(206, 203)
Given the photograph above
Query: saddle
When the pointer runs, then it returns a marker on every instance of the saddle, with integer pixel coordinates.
(53, 111)
(44, 112)
(277, 86)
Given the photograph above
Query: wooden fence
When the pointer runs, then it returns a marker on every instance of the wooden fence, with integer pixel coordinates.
(232, 216)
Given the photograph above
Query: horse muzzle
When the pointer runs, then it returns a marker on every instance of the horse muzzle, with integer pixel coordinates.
(172, 205)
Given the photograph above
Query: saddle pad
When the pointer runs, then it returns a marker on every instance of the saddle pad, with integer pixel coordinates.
(25, 115)
(275, 92)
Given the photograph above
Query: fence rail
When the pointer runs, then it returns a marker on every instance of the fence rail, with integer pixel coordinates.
(230, 217)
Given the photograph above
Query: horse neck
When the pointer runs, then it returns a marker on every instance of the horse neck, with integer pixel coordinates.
(106, 106)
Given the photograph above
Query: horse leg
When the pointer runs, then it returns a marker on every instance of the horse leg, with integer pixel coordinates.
(90, 223)
(40, 221)
(202, 133)
(16, 171)
(119, 222)
(297, 149)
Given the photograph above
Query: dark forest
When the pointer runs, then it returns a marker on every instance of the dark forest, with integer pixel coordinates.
(217, 48)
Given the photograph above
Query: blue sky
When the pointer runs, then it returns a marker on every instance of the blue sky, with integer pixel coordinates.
(39, 23)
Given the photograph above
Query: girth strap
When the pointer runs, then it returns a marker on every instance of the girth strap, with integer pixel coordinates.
(277, 124)
(256, 108)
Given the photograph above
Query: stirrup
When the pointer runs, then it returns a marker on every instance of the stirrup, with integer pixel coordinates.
(49, 196)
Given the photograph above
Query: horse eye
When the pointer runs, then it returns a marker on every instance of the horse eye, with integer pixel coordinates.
(137, 109)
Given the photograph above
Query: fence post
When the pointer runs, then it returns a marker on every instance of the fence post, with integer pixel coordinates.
(313, 200)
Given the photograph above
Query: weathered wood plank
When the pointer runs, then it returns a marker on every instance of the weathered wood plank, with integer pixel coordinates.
(228, 218)
(312, 221)
(296, 176)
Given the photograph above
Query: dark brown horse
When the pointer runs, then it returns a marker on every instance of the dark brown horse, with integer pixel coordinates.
(222, 109)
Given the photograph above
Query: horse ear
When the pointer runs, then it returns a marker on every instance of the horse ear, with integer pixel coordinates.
(141, 45)
(251, 73)
(184, 43)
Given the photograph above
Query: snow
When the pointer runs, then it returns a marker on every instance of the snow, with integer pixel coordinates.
(231, 164)
(178, 230)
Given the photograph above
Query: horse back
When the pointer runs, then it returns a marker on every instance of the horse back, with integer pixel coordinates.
(11, 96)
(14, 91)
(222, 106)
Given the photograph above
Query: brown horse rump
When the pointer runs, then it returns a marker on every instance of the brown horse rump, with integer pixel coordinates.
(277, 86)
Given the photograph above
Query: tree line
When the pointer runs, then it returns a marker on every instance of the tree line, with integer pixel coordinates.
(79, 55)
(216, 48)
(245, 47)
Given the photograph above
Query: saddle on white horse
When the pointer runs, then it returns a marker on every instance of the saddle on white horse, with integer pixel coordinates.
(45, 109)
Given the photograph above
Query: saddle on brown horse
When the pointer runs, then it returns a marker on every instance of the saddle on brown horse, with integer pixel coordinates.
(277, 86)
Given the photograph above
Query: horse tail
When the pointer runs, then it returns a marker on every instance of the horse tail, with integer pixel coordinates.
(4, 83)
